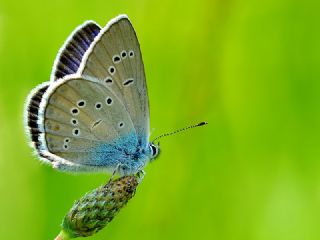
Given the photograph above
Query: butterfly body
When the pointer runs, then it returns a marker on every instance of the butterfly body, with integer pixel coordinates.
(93, 115)
(122, 156)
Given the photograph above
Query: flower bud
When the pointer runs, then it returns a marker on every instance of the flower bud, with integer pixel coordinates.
(97, 208)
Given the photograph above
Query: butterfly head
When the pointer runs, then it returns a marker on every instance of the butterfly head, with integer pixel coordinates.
(154, 151)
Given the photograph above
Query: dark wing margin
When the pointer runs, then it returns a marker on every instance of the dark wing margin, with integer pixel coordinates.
(70, 54)
(32, 113)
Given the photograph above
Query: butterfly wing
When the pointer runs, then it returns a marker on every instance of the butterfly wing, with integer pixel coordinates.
(114, 58)
(32, 114)
(83, 124)
(70, 54)
(96, 137)
(67, 62)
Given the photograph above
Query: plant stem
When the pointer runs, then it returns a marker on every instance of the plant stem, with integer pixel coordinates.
(62, 236)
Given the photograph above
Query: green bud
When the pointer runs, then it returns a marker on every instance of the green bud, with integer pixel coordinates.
(97, 208)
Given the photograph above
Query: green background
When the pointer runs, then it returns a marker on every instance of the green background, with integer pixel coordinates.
(249, 68)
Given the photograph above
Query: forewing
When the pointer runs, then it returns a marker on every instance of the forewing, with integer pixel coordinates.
(114, 58)
(82, 122)
(71, 53)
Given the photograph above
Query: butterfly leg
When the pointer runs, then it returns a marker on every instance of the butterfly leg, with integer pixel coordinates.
(117, 168)
(140, 175)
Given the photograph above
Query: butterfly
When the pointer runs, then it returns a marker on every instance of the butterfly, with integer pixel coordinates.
(93, 114)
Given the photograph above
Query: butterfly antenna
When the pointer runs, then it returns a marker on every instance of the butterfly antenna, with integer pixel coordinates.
(180, 130)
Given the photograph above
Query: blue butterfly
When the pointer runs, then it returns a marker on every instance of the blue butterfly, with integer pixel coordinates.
(93, 114)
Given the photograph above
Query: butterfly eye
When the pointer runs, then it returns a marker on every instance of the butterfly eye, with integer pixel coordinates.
(154, 150)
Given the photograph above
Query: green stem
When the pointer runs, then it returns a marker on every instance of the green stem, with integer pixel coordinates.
(62, 236)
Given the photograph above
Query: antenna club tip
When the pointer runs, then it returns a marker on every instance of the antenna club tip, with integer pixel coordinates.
(202, 123)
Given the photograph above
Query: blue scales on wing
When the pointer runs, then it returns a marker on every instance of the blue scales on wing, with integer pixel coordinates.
(93, 115)
(85, 126)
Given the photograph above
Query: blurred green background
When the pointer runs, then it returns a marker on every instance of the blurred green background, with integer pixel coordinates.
(249, 68)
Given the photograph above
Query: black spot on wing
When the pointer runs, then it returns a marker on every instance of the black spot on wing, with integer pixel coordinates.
(128, 82)
(72, 54)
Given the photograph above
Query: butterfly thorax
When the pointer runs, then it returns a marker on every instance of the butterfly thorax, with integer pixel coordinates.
(134, 160)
